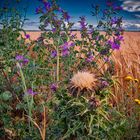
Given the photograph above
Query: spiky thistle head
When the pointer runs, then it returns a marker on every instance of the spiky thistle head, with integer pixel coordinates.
(83, 81)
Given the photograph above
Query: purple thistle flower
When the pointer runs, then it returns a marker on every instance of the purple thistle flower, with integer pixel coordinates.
(27, 36)
(31, 92)
(53, 54)
(19, 57)
(53, 87)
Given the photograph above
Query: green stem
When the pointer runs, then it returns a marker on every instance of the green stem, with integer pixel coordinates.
(58, 65)
(26, 95)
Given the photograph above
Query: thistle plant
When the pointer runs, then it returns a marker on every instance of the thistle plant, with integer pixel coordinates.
(83, 81)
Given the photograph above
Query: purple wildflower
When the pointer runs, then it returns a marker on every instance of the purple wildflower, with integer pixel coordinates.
(106, 59)
(104, 84)
(38, 10)
(54, 54)
(65, 49)
(54, 87)
(83, 23)
(65, 52)
(65, 46)
(47, 5)
(25, 61)
(72, 44)
(97, 38)
(114, 45)
(22, 59)
(54, 30)
(27, 36)
(31, 92)
(114, 20)
(90, 57)
(66, 16)
(19, 57)
(73, 36)
(119, 38)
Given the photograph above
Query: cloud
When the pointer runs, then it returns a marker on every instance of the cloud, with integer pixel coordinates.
(137, 15)
(76, 26)
(31, 25)
(131, 5)
(131, 25)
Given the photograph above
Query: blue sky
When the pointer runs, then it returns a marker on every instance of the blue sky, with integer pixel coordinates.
(77, 8)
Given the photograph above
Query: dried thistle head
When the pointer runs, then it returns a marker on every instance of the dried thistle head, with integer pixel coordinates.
(83, 81)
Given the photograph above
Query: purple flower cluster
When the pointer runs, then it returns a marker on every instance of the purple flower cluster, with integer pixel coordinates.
(111, 4)
(115, 44)
(54, 30)
(105, 83)
(53, 53)
(66, 48)
(53, 87)
(66, 16)
(106, 59)
(90, 57)
(31, 92)
(47, 5)
(83, 23)
(27, 36)
(119, 38)
(114, 20)
(38, 10)
(22, 60)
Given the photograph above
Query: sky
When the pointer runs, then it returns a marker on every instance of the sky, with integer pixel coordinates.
(77, 8)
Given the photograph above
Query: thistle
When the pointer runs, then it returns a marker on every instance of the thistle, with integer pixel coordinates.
(81, 82)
